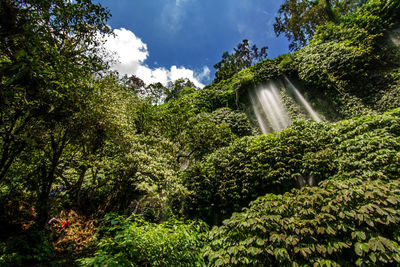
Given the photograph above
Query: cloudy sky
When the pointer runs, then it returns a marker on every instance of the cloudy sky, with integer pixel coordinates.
(164, 40)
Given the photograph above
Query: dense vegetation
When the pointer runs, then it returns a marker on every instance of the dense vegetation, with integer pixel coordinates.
(153, 175)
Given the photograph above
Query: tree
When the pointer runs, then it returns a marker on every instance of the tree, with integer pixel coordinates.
(134, 84)
(176, 88)
(48, 56)
(156, 93)
(244, 56)
(299, 19)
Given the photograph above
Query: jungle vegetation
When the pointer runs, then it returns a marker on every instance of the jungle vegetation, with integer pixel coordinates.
(154, 175)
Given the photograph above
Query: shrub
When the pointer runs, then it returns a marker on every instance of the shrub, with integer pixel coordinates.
(350, 222)
(131, 241)
(367, 147)
(301, 155)
(237, 121)
(29, 248)
(233, 176)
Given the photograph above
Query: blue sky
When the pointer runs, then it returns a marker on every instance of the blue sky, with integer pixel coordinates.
(164, 39)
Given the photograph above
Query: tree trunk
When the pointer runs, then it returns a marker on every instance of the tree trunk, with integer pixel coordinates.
(329, 11)
(11, 148)
(79, 184)
(42, 205)
(46, 179)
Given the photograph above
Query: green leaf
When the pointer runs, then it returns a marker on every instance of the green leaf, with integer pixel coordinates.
(260, 242)
(219, 262)
(358, 249)
(365, 247)
(233, 250)
(372, 257)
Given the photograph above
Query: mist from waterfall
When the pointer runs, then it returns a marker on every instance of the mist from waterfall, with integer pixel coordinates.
(394, 37)
(303, 101)
(259, 116)
(269, 109)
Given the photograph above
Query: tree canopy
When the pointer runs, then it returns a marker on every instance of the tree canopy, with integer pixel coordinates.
(243, 57)
(298, 20)
(48, 56)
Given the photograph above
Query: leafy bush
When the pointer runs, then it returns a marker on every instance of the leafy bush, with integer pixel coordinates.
(271, 69)
(368, 147)
(354, 58)
(220, 183)
(252, 166)
(237, 121)
(301, 155)
(226, 93)
(131, 241)
(351, 222)
(391, 98)
(32, 247)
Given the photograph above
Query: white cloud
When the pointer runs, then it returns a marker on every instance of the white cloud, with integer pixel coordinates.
(204, 75)
(180, 2)
(172, 16)
(130, 54)
(129, 50)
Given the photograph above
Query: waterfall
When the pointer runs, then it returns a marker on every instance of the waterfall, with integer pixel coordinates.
(270, 110)
(394, 37)
(253, 99)
(303, 101)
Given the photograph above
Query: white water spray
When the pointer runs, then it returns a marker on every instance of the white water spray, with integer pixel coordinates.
(269, 109)
(394, 37)
(253, 99)
(395, 40)
(267, 100)
(303, 101)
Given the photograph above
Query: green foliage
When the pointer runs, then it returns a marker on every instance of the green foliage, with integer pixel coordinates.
(227, 93)
(367, 147)
(178, 88)
(237, 121)
(244, 57)
(353, 57)
(267, 70)
(32, 247)
(390, 98)
(216, 185)
(339, 53)
(351, 222)
(49, 58)
(301, 155)
(298, 20)
(350, 66)
(117, 146)
(205, 135)
(131, 241)
(195, 134)
(232, 176)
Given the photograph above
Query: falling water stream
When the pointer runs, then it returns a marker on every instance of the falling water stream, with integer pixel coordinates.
(259, 116)
(394, 37)
(269, 109)
(303, 101)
